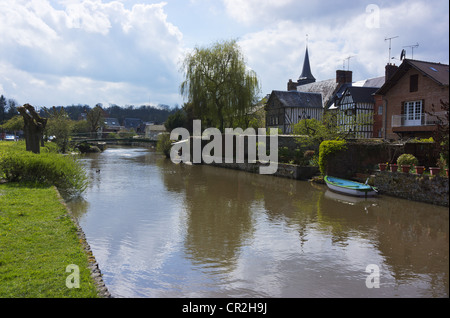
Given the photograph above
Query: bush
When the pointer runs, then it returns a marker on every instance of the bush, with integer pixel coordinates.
(49, 168)
(407, 159)
(327, 149)
(164, 144)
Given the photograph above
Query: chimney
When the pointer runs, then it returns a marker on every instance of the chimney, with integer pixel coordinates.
(292, 86)
(343, 77)
(390, 69)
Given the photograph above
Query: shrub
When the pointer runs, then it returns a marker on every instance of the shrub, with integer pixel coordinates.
(164, 144)
(284, 154)
(407, 159)
(327, 149)
(49, 168)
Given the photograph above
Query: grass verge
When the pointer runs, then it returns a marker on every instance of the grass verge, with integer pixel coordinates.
(38, 241)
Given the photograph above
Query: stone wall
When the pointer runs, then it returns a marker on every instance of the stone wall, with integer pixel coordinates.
(284, 170)
(413, 187)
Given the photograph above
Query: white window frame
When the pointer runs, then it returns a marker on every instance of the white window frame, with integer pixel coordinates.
(413, 113)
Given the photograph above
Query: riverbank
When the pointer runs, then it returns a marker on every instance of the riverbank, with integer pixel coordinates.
(431, 190)
(39, 241)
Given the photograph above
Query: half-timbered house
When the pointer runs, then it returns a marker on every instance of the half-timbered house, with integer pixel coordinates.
(355, 111)
(285, 109)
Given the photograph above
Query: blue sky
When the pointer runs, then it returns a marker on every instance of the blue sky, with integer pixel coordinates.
(128, 52)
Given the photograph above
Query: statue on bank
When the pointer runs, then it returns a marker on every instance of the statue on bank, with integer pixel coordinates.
(34, 126)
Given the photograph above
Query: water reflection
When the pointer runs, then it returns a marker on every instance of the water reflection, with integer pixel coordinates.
(164, 230)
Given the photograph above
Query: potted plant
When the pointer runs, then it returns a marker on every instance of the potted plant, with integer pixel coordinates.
(405, 168)
(407, 160)
(434, 171)
(394, 167)
(382, 166)
(420, 169)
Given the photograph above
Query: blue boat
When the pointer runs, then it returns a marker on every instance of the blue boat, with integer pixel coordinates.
(350, 187)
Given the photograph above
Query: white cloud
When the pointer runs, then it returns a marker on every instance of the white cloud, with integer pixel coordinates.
(276, 51)
(90, 44)
(132, 48)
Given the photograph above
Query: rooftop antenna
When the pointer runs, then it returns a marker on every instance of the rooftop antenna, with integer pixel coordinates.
(390, 40)
(348, 62)
(413, 46)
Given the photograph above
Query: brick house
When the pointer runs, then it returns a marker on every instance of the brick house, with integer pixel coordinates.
(404, 103)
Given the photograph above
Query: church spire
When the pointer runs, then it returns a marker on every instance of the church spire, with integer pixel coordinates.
(306, 77)
(306, 72)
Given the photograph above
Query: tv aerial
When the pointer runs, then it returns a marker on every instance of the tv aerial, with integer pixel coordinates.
(413, 46)
(348, 62)
(390, 42)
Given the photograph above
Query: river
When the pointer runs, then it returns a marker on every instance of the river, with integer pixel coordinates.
(158, 229)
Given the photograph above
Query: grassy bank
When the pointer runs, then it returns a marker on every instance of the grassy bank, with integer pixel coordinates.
(38, 240)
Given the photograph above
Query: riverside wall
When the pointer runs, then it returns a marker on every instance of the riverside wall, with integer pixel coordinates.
(414, 187)
(284, 170)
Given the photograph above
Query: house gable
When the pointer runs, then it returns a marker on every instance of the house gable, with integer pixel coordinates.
(437, 72)
(409, 96)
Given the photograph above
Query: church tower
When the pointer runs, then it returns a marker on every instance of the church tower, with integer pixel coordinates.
(306, 77)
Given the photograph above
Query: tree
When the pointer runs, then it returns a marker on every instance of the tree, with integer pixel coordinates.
(12, 109)
(13, 125)
(175, 120)
(34, 126)
(218, 84)
(60, 126)
(2, 108)
(441, 134)
(95, 118)
(312, 132)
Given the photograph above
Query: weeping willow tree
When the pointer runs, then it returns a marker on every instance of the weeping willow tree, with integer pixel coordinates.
(218, 84)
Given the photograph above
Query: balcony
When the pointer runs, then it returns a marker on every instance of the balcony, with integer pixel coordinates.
(417, 120)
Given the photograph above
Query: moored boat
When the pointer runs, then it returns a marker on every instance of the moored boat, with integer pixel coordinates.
(349, 187)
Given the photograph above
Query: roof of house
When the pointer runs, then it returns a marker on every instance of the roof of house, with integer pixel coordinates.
(327, 88)
(298, 99)
(112, 122)
(437, 72)
(155, 127)
(361, 94)
(132, 122)
(370, 82)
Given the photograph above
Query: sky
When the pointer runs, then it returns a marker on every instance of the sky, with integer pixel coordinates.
(129, 52)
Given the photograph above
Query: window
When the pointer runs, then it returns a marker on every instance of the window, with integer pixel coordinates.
(380, 110)
(413, 113)
(414, 83)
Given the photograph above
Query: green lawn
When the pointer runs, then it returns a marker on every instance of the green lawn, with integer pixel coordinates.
(38, 240)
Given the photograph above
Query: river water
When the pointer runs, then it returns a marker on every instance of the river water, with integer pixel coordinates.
(163, 230)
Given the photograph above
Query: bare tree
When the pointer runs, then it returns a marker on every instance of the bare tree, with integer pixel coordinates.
(34, 126)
